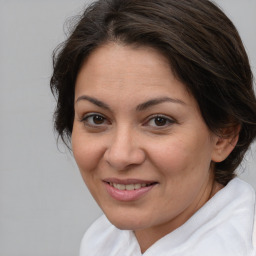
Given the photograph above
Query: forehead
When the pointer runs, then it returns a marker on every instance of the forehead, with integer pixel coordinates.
(125, 60)
(115, 69)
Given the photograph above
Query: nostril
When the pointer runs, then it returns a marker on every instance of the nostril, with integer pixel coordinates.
(124, 159)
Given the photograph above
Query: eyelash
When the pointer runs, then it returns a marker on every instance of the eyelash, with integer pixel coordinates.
(167, 120)
(85, 119)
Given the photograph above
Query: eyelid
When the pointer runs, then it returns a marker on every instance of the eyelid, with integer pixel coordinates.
(168, 118)
(85, 117)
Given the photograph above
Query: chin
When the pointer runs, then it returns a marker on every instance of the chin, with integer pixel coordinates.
(126, 221)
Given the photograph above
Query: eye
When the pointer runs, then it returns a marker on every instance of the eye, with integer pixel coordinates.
(94, 120)
(160, 121)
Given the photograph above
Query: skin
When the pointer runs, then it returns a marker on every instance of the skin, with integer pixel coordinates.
(126, 141)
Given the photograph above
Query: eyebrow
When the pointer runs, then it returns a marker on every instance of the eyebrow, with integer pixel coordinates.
(93, 101)
(157, 101)
(140, 107)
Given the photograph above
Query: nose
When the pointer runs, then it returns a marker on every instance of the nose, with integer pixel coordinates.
(124, 150)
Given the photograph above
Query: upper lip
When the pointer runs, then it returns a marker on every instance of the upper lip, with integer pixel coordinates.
(128, 181)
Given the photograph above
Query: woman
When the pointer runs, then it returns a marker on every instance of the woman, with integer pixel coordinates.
(157, 99)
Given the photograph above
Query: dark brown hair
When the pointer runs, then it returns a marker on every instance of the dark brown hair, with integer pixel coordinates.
(204, 50)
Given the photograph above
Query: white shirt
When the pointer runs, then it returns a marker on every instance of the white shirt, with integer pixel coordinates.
(223, 226)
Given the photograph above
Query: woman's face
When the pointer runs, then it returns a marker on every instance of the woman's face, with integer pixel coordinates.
(139, 140)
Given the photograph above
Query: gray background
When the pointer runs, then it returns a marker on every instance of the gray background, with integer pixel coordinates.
(44, 205)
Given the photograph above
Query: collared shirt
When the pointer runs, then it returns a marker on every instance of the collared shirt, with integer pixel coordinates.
(223, 226)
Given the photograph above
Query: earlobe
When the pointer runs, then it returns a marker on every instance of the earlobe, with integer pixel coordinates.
(225, 144)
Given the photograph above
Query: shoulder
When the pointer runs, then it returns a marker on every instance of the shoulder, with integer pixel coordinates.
(104, 239)
(235, 218)
(254, 230)
(247, 207)
(99, 226)
(223, 226)
(99, 231)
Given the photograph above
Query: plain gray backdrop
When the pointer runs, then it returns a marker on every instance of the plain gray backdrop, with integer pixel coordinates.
(44, 206)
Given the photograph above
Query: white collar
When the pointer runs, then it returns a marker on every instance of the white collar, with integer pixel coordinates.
(223, 226)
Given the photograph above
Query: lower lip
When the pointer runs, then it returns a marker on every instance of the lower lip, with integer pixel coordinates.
(127, 195)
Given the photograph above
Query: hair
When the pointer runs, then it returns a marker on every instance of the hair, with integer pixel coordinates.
(204, 50)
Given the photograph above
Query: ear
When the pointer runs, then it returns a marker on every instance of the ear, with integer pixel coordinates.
(225, 143)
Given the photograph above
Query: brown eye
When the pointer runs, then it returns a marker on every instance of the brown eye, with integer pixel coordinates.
(94, 120)
(98, 119)
(160, 121)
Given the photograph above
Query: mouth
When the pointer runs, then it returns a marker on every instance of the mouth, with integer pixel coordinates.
(128, 190)
(130, 187)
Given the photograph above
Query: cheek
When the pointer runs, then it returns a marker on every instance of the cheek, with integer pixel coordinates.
(184, 156)
(87, 153)
(183, 170)
(171, 160)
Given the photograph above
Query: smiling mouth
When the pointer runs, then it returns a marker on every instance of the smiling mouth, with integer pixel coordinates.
(130, 187)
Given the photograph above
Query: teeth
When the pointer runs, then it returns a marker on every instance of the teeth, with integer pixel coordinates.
(137, 186)
(119, 186)
(128, 186)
